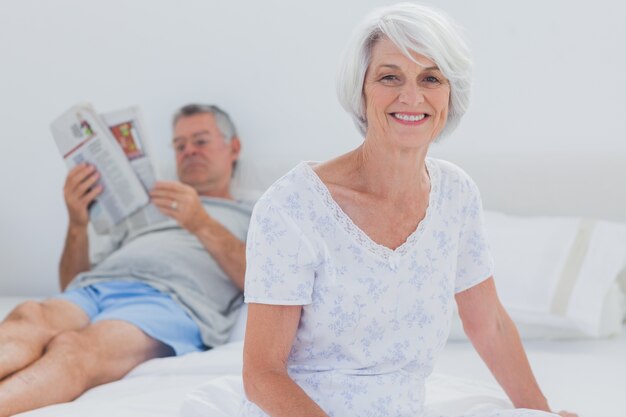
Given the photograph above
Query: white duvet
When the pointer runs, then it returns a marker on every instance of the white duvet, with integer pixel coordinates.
(585, 376)
(209, 384)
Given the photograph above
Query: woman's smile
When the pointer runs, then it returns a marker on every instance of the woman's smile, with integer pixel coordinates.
(411, 119)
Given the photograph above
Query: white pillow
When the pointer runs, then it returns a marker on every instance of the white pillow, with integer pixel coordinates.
(254, 175)
(557, 276)
(621, 281)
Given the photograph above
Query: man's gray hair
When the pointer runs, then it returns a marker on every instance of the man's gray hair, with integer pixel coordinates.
(222, 119)
(412, 28)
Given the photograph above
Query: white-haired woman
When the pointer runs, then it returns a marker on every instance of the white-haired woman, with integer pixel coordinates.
(354, 264)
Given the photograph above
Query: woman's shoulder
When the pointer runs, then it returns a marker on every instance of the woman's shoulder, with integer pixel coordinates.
(291, 191)
(451, 173)
(454, 180)
(447, 168)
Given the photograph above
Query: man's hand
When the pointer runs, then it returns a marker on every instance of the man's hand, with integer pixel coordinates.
(180, 202)
(79, 191)
(567, 414)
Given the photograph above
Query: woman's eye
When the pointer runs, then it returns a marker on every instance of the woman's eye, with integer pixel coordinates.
(434, 81)
(388, 78)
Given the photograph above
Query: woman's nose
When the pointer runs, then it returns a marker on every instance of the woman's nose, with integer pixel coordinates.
(411, 95)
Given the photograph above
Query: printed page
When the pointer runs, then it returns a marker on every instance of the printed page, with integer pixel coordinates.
(82, 136)
(128, 129)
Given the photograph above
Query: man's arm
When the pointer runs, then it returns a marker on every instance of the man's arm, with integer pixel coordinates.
(79, 191)
(75, 257)
(181, 202)
(228, 251)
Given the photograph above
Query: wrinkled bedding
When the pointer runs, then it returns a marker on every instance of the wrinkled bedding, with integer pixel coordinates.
(584, 376)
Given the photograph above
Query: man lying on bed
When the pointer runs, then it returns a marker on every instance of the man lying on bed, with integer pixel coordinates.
(169, 289)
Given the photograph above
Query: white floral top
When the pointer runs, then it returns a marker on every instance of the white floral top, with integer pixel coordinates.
(373, 319)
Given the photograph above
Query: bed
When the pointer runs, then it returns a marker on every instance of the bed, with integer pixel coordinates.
(586, 376)
(576, 342)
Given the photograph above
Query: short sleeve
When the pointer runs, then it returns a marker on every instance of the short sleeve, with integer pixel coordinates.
(101, 246)
(280, 261)
(474, 261)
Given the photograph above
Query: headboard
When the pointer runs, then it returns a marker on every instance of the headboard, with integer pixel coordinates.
(541, 184)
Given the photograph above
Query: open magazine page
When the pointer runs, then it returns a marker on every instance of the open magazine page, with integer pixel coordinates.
(82, 136)
(128, 129)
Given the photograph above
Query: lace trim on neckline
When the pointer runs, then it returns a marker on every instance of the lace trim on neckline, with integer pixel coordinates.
(357, 233)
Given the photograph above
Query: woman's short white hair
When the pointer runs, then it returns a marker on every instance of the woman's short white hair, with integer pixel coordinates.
(412, 28)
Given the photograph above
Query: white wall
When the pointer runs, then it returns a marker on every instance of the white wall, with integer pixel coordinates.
(549, 78)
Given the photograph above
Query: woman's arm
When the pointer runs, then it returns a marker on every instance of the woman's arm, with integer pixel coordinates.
(495, 338)
(269, 336)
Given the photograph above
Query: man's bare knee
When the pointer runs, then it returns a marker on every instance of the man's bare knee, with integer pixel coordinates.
(31, 315)
(53, 316)
(76, 355)
(89, 362)
(31, 311)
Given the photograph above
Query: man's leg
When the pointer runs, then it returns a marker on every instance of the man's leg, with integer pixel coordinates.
(75, 361)
(27, 330)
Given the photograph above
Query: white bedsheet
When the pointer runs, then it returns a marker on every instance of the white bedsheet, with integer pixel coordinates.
(584, 376)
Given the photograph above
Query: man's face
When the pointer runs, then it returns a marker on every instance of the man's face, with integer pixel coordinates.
(204, 160)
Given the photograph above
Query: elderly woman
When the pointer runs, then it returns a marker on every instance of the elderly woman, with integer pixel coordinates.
(354, 264)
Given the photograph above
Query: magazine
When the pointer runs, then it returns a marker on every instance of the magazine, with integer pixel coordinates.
(116, 144)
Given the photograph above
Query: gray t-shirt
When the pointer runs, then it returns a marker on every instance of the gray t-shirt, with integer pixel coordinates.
(175, 262)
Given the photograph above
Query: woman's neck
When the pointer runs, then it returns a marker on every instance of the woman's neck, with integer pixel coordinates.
(391, 173)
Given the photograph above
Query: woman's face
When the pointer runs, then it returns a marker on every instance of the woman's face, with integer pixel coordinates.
(406, 102)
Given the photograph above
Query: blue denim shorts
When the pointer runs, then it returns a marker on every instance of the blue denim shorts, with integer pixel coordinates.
(154, 312)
